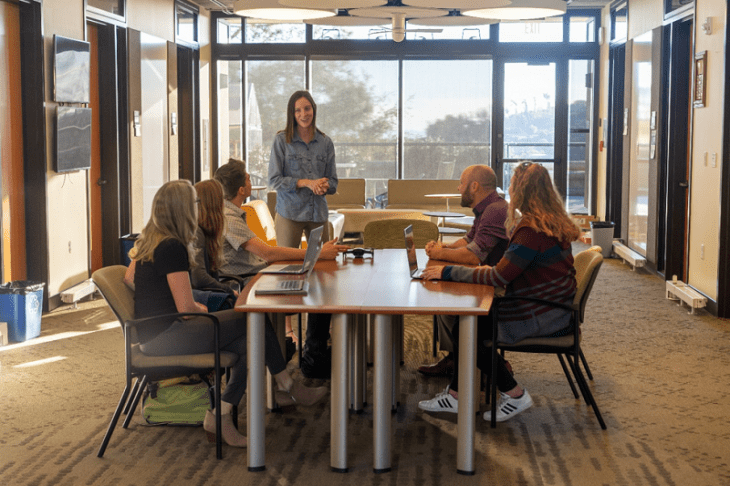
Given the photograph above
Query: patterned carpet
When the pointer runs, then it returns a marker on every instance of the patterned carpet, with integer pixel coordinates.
(661, 381)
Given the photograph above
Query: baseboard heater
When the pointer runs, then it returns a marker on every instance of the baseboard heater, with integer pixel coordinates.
(680, 292)
(628, 255)
(78, 292)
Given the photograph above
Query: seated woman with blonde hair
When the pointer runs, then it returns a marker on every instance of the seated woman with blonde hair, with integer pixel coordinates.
(162, 258)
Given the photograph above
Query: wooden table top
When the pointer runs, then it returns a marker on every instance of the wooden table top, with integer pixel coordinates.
(381, 285)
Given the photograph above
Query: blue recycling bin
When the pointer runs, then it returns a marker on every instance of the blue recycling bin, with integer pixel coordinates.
(126, 243)
(21, 306)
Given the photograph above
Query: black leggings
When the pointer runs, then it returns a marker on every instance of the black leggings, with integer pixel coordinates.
(505, 381)
(195, 336)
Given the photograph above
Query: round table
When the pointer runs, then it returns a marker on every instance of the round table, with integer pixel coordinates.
(444, 196)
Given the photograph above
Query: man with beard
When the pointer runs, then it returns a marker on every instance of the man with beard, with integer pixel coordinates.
(484, 244)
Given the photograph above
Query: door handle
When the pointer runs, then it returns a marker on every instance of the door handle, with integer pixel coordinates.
(100, 182)
(684, 184)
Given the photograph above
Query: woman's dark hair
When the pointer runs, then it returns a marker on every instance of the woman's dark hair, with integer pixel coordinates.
(291, 121)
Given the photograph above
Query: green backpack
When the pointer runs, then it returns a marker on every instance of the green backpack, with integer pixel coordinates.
(177, 401)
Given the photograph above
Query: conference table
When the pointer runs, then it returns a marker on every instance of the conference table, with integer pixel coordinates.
(381, 287)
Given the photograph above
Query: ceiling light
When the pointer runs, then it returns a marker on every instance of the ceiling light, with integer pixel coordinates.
(458, 4)
(454, 19)
(272, 10)
(521, 10)
(333, 4)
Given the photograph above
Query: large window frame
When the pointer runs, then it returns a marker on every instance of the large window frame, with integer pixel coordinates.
(409, 49)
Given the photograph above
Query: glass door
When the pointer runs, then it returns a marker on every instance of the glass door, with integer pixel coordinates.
(528, 124)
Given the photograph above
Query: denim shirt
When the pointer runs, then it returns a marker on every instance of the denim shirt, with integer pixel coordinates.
(290, 162)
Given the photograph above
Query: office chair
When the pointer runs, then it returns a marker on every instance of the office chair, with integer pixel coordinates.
(144, 368)
(567, 347)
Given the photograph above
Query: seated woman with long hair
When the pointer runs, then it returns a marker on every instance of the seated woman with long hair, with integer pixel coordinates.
(162, 258)
(538, 263)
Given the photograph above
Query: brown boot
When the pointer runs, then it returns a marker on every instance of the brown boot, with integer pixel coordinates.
(230, 434)
(306, 396)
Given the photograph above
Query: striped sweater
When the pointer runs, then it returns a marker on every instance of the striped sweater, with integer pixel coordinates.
(534, 265)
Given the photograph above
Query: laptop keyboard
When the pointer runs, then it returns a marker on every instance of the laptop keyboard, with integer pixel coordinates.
(291, 268)
(290, 284)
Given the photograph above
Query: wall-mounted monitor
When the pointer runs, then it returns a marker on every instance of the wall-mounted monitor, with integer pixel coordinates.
(71, 64)
(73, 139)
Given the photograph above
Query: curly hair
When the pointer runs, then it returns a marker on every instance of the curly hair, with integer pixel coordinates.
(211, 220)
(534, 197)
(174, 216)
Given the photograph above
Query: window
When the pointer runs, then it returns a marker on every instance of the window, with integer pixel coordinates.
(370, 32)
(675, 5)
(582, 29)
(269, 32)
(548, 30)
(619, 23)
(447, 117)
(115, 7)
(357, 106)
(187, 23)
(230, 111)
(230, 30)
(269, 86)
(580, 124)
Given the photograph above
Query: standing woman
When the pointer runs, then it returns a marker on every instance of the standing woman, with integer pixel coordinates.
(538, 263)
(301, 170)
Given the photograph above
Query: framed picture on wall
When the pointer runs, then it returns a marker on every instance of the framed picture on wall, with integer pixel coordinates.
(700, 84)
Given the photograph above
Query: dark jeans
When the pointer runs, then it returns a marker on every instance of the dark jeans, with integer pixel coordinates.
(318, 333)
(505, 381)
(195, 336)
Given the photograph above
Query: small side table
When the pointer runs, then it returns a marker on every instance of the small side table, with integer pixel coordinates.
(444, 196)
(443, 230)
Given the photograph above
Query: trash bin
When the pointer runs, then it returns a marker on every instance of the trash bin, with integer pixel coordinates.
(126, 243)
(21, 305)
(602, 235)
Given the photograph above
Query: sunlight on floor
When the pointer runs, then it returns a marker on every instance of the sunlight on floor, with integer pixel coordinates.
(40, 362)
(56, 337)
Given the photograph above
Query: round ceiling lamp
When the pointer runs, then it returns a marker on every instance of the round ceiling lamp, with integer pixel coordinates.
(272, 10)
(342, 19)
(454, 19)
(458, 4)
(521, 10)
(333, 4)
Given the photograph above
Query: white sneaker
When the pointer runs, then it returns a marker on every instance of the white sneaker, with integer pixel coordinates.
(508, 407)
(443, 402)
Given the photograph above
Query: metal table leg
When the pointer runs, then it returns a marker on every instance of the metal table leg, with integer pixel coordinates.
(356, 364)
(340, 393)
(255, 423)
(466, 424)
(382, 393)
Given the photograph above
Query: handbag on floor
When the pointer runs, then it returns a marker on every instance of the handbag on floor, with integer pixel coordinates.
(177, 401)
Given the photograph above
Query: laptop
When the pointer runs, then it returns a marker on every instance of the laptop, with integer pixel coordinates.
(310, 257)
(411, 253)
(297, 286)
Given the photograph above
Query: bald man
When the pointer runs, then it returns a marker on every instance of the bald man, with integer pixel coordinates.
(484, 244)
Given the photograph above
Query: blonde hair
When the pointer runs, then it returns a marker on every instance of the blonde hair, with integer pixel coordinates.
(535, 202)
(211, 219)
(174, 216)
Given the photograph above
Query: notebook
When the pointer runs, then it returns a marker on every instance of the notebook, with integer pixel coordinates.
(298, 286)
(411, 253)
(310, 258)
